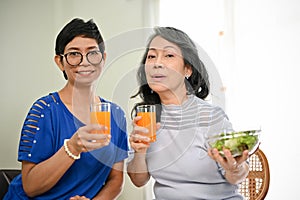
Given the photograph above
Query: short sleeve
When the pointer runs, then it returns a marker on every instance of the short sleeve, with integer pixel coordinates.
(36, 135)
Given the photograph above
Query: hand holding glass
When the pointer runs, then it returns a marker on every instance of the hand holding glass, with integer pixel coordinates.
(148, 120)
(100, 114)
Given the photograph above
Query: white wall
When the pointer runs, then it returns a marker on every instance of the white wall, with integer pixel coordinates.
(258, 60)
(266, 84)
(28, 32)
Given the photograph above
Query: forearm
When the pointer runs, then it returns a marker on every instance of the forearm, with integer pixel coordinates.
(138, 171)
(237, 175)
(35, 177)
(114, 184)
(111, 190)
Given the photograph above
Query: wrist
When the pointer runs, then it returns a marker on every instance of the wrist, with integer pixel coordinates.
(70, 151)
(238, 170)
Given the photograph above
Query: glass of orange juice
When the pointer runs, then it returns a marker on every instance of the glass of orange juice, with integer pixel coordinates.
(148, 120)
(100, 114)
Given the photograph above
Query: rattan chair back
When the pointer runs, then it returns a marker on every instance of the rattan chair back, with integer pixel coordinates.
(256, 184)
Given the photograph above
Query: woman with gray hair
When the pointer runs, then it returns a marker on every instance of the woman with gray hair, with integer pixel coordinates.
(172, 77)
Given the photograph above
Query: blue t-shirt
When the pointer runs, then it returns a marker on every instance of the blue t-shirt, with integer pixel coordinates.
(46, 126)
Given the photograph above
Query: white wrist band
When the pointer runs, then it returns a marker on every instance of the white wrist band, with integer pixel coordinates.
(69, 152)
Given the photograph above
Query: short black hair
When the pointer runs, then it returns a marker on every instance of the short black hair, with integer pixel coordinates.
(77, 27)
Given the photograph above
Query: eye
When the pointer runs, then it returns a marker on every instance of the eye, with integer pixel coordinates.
(94, 52)
(74, 53)
(169, 55)
(150, 56)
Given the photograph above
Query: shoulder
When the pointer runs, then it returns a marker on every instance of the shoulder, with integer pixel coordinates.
(47, 100)
(45, 109)
(40, 110)
(213, 117)
(208, 106)
(210, 111)
(44, 103)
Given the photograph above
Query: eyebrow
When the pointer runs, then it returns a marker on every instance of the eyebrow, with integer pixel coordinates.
(164, 48)
(76, 48)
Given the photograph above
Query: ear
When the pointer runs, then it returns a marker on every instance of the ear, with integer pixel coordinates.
(188, 70)
(104, 56)
(58, 62)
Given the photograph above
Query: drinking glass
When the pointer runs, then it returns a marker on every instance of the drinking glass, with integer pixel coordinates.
(100, 114)
(148, 120)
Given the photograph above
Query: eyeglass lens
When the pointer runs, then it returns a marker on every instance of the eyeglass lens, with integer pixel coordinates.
(75, 58)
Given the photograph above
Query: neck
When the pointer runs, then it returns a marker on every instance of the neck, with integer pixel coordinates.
(78, 100)
(73, 95)
(171, 97)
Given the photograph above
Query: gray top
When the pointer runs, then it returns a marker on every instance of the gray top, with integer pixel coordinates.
(178, 160)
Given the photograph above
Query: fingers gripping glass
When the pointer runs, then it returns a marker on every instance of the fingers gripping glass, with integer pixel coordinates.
(75, 58)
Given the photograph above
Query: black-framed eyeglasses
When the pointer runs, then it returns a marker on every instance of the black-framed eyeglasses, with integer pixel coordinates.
(74, 58)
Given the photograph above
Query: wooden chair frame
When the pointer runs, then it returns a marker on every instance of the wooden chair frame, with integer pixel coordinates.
(256, 184)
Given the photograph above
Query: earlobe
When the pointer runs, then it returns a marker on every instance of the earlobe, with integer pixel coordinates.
(104, 56)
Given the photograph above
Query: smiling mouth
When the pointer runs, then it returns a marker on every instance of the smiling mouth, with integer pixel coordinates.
(85, 72)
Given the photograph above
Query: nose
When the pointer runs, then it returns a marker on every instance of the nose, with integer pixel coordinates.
(84, 61)
(158, 63)
(157, 66)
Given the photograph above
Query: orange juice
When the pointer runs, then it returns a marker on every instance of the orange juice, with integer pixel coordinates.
(148, 121)
(100, 114)
(102, 118)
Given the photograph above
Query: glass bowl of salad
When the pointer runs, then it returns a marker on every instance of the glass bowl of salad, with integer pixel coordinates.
(236, 142)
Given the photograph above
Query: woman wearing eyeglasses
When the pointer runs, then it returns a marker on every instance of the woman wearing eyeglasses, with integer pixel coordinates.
(61, 158)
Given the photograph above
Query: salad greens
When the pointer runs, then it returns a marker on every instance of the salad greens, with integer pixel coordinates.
(236, 142)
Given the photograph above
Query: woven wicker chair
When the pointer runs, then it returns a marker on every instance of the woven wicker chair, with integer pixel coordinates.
(256, 184)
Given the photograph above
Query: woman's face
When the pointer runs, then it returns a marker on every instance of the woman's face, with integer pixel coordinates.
(85, 72)
(165, 68)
